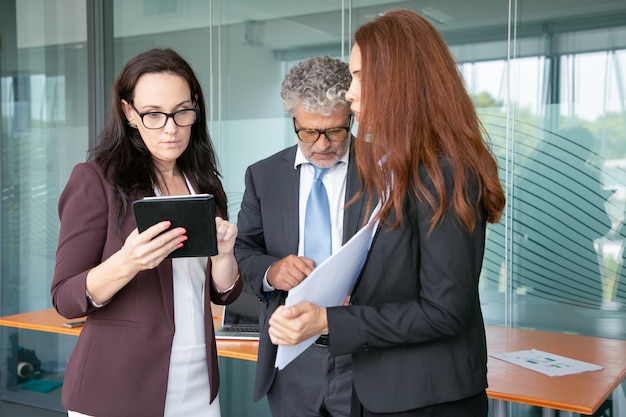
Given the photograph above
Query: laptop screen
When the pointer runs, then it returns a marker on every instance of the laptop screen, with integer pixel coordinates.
(244, 311)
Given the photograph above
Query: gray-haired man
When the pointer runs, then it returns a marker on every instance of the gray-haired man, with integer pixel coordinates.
(270, 246)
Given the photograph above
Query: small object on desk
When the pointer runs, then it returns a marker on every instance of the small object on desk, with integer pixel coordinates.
(72, 324)
(547, 363)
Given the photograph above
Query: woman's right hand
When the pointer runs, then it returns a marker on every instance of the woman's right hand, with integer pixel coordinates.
(146, 250)
(141, 251)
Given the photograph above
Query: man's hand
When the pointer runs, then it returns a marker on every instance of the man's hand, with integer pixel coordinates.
(289, 272)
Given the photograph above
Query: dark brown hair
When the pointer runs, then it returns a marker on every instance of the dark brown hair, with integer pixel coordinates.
(414, 112)
(122, 153)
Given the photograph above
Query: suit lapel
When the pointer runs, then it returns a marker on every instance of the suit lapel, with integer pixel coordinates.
(289, 190)
(167, 286)
(354, 213)
(164, 269)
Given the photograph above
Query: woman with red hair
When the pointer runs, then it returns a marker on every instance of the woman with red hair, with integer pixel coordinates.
(414, 324)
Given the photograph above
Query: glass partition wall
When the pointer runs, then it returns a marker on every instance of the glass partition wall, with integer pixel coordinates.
(44, 132)
(548, 80)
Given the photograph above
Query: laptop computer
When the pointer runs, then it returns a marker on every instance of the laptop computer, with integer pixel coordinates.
(241, 318)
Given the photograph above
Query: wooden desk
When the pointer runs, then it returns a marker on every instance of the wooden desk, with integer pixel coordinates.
(43, 320)
(579, 393)
(50, 321)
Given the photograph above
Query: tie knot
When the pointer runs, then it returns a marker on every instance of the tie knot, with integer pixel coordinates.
(319, 172)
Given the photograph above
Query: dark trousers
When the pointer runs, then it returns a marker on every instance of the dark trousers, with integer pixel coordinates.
(315, 384)
(476, 406)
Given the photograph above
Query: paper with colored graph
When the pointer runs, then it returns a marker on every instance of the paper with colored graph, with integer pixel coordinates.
(546, 363)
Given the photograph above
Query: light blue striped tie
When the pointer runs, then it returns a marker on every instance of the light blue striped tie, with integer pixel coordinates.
(317, 234)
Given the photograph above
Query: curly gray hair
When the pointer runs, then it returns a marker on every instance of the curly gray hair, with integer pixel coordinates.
(319, 84)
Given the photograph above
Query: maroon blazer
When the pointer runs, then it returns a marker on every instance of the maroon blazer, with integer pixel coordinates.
(120, 364)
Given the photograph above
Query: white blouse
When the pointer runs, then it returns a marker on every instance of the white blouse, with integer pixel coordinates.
(188, 390)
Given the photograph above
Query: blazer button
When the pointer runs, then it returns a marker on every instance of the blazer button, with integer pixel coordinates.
(365, 348)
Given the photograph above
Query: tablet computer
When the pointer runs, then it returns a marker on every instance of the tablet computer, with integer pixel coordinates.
(196, 213)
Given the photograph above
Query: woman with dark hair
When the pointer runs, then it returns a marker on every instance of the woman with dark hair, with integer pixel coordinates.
(414, 325)
(148, 346)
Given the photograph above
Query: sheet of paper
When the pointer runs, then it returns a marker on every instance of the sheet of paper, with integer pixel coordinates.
(329, 284)
(546, 363)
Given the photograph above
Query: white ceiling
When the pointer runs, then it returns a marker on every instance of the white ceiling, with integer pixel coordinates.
(308, 22)
(319, 23)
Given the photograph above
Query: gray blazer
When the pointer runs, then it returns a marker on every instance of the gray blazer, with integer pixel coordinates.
(268, 231)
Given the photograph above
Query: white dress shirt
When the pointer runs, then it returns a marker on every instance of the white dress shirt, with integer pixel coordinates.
(335, 182)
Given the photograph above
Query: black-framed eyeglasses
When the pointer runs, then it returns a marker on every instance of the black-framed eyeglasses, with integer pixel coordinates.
(333, 134)
(158, 119)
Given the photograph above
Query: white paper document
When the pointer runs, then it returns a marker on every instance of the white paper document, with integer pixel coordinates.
(546, 363)
(329, 284)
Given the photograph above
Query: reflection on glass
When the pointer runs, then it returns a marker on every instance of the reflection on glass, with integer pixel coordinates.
(560, 213)
(610, 250)
(44, 102)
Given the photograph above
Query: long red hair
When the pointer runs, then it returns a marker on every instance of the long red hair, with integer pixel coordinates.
(414, 111)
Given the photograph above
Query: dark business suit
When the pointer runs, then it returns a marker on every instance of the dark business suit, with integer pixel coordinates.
(415, 328)
(120, 364)
(268, 231)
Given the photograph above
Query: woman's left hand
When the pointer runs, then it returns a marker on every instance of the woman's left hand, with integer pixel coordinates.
(226, 235)
(224, 265)
(292, 325)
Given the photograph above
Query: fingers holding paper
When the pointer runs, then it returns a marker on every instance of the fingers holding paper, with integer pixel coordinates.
(288, 272)
(292, 325)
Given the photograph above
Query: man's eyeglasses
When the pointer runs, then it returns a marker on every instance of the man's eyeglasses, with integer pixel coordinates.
(334, 134)
(157, 119)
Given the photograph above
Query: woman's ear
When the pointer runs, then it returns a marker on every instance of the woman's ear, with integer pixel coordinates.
(129, 113)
